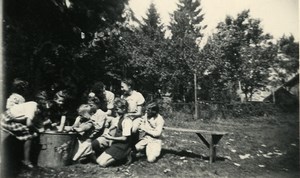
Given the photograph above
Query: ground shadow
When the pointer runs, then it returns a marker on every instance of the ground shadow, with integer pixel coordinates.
(11, 156)
(186, 154)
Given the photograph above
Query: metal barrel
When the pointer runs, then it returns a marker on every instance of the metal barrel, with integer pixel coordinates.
(56, 149)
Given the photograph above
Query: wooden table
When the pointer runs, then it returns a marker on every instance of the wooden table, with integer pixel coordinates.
(215, 137)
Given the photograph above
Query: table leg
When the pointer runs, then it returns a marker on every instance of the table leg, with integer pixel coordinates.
(212, 149)
(211, 145)
(203, 139)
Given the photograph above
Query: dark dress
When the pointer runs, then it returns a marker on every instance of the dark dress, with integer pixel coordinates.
(120, 149)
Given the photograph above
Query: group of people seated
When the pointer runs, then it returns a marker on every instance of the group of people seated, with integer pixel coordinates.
(109, 129)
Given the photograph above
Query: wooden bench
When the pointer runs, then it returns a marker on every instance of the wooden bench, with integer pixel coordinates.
(211, 144)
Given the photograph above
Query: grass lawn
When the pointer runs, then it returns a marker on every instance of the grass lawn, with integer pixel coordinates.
(255, 147)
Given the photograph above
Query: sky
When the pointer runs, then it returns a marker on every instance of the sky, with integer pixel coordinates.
(277, 17)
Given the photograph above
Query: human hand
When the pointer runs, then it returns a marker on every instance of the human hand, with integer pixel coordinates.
(76, 129)
(67, 129)
(142, 127)
(46, 122)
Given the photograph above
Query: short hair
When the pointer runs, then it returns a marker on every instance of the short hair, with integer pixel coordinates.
(86, 108)
(98, 86)
(129, 82)
(153, 106)
(41, 98)
(121, 103)
(92, 99)
(19, 86)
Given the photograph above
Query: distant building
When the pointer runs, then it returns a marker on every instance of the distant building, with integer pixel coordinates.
(287, 95)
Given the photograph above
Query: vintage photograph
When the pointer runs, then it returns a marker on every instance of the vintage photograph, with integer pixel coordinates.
(149, 88)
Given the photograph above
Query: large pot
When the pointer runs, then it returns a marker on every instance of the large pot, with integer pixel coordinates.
(56, 149)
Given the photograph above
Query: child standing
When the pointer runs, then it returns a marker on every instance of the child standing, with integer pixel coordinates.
(152, 124)
(19, 122)
(19, 90)
(121, 145)
(85, 127)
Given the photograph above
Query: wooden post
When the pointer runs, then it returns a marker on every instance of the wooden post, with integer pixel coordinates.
(240, 92)
(273, 95)
(195, 92)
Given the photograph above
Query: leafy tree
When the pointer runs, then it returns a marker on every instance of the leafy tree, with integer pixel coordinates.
(240, 51)
(186, 34)
(49, 42)
(287, 62)
(152, 25)
(141, 53)
(149, 52)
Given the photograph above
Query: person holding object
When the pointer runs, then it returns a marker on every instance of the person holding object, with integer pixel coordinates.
(151, 127)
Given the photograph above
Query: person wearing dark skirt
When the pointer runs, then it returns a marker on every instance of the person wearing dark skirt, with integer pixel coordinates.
(121, 146)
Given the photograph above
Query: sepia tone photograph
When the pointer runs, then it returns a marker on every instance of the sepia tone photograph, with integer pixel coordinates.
(149, 88)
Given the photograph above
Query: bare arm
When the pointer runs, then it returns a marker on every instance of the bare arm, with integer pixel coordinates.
(62, 123)
(84, 127)
(122, 138)
(76, 123)
(155, 132)
(136, 114)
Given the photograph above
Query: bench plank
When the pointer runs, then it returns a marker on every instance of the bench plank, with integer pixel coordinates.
(211, 145)
(196, 131)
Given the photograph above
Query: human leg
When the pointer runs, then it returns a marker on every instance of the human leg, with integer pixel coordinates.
(103, 142)
(11, 154)
(141, 145)
(153, 150)
(99, 144)
(27, 148)
(105, 159)
(84, 149)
